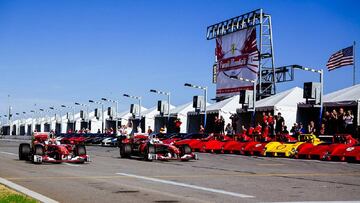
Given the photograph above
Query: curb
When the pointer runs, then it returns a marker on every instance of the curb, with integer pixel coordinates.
(15, 137)
(26, 191)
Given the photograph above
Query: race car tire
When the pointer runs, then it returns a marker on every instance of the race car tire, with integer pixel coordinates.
(185, 149)
(39, 150)
(125, 150)
(80, 150)
(24, 151)
(150, 149)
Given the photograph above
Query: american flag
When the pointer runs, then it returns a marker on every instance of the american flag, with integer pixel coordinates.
(344, 57)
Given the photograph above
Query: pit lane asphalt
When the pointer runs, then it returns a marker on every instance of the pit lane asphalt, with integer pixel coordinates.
(213, 178)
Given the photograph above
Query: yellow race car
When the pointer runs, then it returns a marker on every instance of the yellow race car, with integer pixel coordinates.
(289, 149)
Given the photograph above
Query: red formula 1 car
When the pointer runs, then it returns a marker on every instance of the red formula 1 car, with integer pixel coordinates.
(332, 150)
(45, 149)
(153, 149)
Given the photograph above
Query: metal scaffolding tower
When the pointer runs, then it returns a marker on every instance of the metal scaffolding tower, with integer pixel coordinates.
(266, 80)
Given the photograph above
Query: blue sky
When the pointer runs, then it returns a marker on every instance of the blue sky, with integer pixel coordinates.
(61, 52)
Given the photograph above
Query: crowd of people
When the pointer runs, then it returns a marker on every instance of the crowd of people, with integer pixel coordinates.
(337, 122)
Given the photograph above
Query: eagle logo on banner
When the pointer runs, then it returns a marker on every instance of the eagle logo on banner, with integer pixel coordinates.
(237, 55)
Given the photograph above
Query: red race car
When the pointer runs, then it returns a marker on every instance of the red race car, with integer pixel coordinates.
(215, 144)
(235, 146)
(45, 149)
(352, 154)
(153, 149)
(326, 151)
(257, 147)
(194, 141)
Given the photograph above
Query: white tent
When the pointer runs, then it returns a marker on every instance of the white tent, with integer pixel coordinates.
(285, 102)
(348, 97)
(344, 97)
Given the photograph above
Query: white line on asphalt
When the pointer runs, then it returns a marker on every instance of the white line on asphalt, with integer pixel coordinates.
(187, 185)
(69, 164)
(8, 153)
(26, 191)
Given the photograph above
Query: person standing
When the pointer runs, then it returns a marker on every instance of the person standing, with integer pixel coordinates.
(264, 120)
(270, 120)
(149, 131)
(341, 121)
(311, 128)
(177, 125)
(325, 121)
(229, 129)
(280, 122)
(202, 129)
(333, 123)
(349, 122)
(222, 125)
(234, 118)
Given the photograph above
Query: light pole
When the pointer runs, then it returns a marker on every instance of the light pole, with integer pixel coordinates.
(73, 113)
(87, 113)
(32, 121)
(205, 96)
(56, 120)
(116, 111)
(18, 124)
(139, 100)
(87, 108)
(102, 113)
(24, 121)
(168, 98)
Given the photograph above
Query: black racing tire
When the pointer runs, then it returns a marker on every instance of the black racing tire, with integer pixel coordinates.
(80, 150)
(150, 149)
(125, 150)
(185, 149)
(38, 150)
(24, 151)
(57, 157)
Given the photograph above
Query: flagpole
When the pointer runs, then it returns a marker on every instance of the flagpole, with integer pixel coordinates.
(354, 81)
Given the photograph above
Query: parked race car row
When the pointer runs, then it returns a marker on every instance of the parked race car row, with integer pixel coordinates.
(179, 146)
(337, 147)
(307, 146)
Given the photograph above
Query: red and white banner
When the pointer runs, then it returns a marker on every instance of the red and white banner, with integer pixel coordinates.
(237, 55)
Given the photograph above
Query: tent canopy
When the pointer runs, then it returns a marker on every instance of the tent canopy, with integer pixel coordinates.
(195, 113)
(288, 98)
(152, 112)
(182, 109)
(346, 96)
(228, 105)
